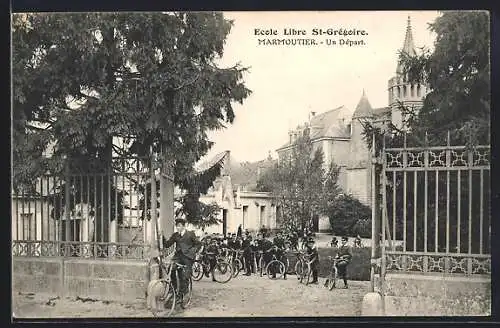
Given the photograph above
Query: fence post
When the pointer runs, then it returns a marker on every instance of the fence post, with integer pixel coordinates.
(375, 215)
(166, 195)
(67, 209)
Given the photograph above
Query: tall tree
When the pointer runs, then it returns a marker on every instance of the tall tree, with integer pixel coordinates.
(80, 79)
(301, 185)
(457, 72)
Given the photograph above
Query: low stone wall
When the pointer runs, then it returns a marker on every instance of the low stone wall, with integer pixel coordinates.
(99, 279)
(437, 295)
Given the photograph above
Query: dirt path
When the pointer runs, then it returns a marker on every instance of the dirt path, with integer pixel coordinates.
(241, 297)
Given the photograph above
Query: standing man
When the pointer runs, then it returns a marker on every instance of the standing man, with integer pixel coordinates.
(247, 255)
(239, 234)
(186, 247)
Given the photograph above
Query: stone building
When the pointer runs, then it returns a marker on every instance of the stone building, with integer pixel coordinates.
(342, 139)
(235, 193)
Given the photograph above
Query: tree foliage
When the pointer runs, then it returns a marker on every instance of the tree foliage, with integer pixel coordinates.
(457, 72)
(80, 79)
(349, 217)
(301, 185)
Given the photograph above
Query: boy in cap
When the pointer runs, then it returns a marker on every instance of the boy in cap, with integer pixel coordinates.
(186, 247)
(313, 256)
(344, 258)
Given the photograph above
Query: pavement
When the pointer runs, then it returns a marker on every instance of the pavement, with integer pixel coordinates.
(243, 296)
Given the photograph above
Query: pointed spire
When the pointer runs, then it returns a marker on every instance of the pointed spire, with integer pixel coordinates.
(408, 45)
(363, 109)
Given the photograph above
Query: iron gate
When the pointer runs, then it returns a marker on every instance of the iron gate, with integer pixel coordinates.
(435, 210)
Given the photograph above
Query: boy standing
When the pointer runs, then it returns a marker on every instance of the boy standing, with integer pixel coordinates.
(313, 256)
(344, 258)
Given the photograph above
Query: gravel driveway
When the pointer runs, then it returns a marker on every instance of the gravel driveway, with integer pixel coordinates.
(241, 297)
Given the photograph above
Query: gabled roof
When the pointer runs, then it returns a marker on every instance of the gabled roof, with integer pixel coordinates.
(329, 124)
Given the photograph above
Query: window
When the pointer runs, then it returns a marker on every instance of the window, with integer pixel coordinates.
(29, 231)
(245, 216)
(262, 213)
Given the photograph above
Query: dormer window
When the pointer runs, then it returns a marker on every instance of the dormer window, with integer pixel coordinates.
(349, 128)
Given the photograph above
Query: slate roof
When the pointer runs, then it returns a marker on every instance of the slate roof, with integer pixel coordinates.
(327, 124)
(363, 109)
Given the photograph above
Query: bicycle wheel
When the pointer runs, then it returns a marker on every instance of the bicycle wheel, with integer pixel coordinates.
(306, 272)
(277, 267)
(332, 280)
(299, 268)
(237, 267)
(261, 265)
(187, 296)
(197, 271)
(223, 272)
(164, 304)
(308, 276)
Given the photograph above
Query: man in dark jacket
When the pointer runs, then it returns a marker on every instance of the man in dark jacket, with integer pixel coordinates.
(344, 258)
(247, 255)
(313, 257)
(186, 247)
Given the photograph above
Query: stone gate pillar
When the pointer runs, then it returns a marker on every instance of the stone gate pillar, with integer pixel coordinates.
(167, 215)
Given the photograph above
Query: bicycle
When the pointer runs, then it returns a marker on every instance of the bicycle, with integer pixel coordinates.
(164, 292)
(235, 257)
(274, 264)
(306, 271)
(222, 271)
(331, 280)
(299, 265)
(258, 264)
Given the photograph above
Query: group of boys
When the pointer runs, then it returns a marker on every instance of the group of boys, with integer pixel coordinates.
(267, 248)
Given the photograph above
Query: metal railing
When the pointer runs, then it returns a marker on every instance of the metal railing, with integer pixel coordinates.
(436, 201)
(91, 210)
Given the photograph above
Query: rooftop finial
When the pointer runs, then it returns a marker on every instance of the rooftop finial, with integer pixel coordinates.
(409, 22)
(364, 94)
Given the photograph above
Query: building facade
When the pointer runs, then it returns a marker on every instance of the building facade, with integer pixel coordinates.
(342, 141)
(235, 193)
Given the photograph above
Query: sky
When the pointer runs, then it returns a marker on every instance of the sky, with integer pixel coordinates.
(288, 82)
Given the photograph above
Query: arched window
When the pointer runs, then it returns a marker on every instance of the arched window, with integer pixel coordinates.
(412, 91)
(419, 91)
(399, 92)
(404, 91)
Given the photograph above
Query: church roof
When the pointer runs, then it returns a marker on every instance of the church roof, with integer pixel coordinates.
(363, 109)
(408, 45)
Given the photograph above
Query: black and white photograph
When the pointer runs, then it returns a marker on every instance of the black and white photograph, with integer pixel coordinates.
(250, 164)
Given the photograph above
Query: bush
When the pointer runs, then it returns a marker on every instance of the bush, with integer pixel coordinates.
(349, 217)
(358, 269)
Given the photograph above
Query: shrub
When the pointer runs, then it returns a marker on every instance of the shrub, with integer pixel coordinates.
(349, 217)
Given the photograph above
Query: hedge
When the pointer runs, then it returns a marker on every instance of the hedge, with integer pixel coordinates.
(358, 269)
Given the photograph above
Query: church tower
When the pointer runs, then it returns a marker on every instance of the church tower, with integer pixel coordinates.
(358, 168)
(400, 90)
